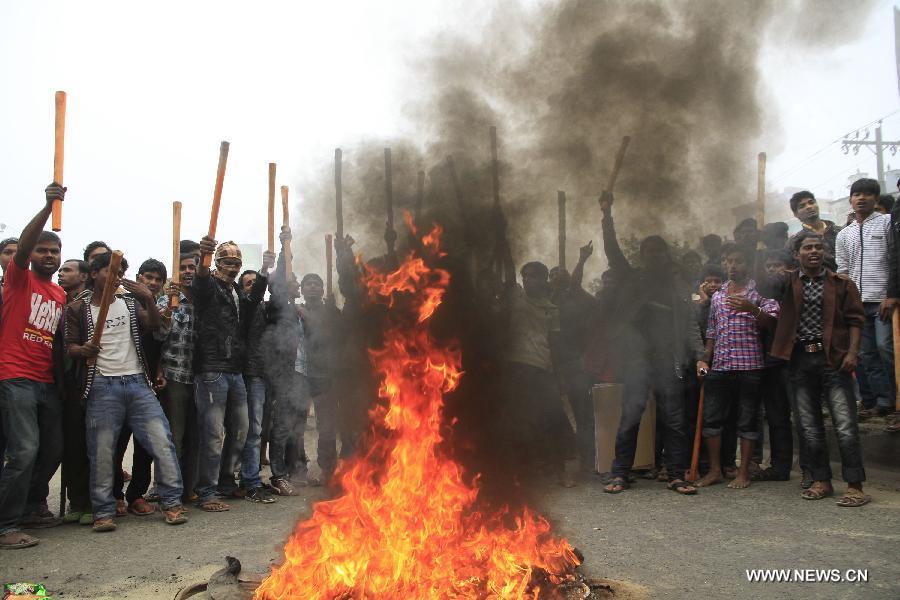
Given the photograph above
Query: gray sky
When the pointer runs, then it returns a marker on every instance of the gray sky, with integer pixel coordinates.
(154, 88)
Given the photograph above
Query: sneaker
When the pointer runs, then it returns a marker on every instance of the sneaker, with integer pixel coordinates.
(175, 515)
(104, 524)
(259, 494)
(283, 487)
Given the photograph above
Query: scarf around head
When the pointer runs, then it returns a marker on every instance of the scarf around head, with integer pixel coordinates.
(226, 250)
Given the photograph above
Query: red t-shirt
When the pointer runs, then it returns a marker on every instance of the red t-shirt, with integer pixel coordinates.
(32, 310)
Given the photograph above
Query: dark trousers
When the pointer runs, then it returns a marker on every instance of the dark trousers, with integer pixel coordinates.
(728, 389)
(536, 426)
(814, 381)
(31, 415)
(141, 463)
(76, 470)
(325, 403)
(668, 390)
(578, 389)
(777, 403)
(177, 401)
(290, 409)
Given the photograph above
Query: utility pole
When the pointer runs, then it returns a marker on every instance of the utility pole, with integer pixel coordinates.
(879, 147)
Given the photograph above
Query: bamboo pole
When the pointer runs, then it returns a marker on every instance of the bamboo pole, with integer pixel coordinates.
(561, 202)
(329, 266)
(693, 474)
(271, 207)
(176, 250)
(59, 152)
(761, 190)
(286, 222)
(617, 166)
(338, 194)
(106, 298)
(895, 320)
(420, 195)
(495, 167)
(389, 187)
(217, 199)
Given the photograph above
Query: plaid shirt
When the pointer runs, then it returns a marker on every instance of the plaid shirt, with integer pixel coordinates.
(177, 336)
(809, 327)
(737, 344)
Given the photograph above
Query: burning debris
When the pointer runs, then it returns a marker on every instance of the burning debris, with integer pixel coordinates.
(408, 524)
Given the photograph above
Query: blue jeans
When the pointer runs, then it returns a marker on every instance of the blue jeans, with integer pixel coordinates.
(256, 402)
(113, 403)
(217, 395)
(876, 356)
(31, 417)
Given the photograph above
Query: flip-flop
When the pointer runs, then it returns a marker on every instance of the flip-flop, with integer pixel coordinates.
(854, 499)
(816, 493)
(213, 506)
(25, 542)
(616, 482)
(681, 486)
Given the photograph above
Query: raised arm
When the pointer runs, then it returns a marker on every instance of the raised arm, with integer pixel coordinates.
(578, 273)
(614, 255)
(29, 238)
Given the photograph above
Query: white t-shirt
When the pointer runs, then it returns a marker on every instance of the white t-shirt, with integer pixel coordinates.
(118, 355)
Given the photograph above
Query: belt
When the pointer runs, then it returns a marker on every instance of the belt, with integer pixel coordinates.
(811, 346)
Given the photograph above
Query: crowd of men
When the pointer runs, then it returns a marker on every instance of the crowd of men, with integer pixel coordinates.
(221, 382)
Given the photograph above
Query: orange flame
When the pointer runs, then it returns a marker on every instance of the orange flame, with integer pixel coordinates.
(406, 526)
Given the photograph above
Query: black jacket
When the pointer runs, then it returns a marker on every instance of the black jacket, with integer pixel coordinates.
(221, 326)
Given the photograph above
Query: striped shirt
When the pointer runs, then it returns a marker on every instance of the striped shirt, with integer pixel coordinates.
(737, 346)
(862, 253)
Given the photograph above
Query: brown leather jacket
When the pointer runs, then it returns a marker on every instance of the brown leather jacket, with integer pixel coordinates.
(842, 310)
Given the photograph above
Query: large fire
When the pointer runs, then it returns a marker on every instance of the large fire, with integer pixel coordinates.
(406, 526)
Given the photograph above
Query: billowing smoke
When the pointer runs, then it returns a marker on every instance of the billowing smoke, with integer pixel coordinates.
(563, 83)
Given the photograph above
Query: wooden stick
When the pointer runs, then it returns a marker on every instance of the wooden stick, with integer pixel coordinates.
(106, 298)
(389, 187)
(338, 194)
(454, 178)
(176, 250)
(895, 320)
(329, 266)
(420, 195)
(286, 222)
(271, 207)
(620, 157)
(495, 166)
(693, 474)
(561, 201)
(59, 152)
(217, 198)
(761, 190)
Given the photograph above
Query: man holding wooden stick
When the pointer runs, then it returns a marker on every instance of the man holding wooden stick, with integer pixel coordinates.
(30, 403)
(222, 311)
(117, 388)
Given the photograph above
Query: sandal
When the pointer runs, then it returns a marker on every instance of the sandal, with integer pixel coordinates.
(893, 421)
(16, 540)
(806, 479)
(682, 487)
(175, 515)
(213, 506)
(854, 498)
(616, 485)
(121, 508)
(817, 492)
(141, 508)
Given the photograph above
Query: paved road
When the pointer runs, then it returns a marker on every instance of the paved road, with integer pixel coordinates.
(674, 546)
